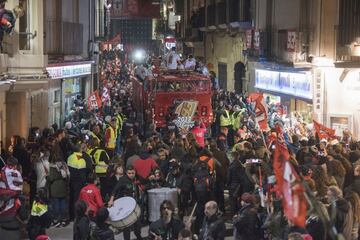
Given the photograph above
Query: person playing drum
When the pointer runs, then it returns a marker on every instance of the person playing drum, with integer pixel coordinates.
(167, 227)
(127, 186)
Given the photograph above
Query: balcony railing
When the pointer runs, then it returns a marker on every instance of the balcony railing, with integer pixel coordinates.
(221, 10)
(63, 38)
(211, 15)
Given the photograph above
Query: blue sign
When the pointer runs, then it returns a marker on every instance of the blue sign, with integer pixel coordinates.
(298, 84)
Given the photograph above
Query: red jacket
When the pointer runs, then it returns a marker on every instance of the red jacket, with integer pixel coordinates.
(199, 133)
(144, 167)
(91, 195)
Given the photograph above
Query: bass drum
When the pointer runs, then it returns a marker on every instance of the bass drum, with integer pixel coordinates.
(124, 213)
(156, 197)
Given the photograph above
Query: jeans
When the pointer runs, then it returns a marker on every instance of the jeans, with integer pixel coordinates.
(118, 145)
(58, 206)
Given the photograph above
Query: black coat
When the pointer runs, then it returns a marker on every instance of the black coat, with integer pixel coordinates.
(166, 231)
(213, 228)
(82, 229)
(103, 232)
(246, 223)
(125, 188)
(238, 180)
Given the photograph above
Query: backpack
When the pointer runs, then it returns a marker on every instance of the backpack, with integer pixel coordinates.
(202, 181)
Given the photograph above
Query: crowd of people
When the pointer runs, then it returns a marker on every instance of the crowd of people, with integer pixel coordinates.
(223, 177)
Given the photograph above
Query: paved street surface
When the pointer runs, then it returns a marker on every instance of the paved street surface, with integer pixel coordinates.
(66, 233)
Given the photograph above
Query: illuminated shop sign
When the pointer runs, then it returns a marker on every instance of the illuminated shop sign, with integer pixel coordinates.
(296, 84)
(69, 71)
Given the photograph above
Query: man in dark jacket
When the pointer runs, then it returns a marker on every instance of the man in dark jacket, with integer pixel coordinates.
(221, 167)
(127, 186)
(167, 227)
(239, 181)
(245, 221)
(213, 226)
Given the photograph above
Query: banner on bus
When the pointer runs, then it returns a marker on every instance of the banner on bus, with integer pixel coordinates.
(185, 112)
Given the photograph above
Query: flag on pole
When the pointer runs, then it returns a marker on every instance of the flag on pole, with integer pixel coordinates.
(260, 109)
(323, 131)
(94, 101)
(288, 183)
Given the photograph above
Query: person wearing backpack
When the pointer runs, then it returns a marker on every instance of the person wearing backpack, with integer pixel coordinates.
(203, 184)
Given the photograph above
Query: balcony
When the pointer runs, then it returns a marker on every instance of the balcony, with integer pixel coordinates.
(221, 10)
(63, 38)
(211, 15)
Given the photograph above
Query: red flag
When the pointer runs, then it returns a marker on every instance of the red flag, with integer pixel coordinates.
(94, 101)
(288, 183)
(322, 131)
(259, 106)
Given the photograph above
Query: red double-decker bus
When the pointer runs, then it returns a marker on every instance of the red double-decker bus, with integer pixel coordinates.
(157, 96)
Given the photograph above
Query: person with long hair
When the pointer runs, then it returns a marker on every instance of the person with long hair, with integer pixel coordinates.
(354, 200)
(82, 222)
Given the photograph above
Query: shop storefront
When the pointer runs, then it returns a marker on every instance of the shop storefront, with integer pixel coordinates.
(69, 82)
(337, 98)
(290, 89)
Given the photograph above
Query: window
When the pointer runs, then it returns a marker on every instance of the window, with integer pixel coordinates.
(57, 116)
(24, 26)
(57, 96)
(183, 86)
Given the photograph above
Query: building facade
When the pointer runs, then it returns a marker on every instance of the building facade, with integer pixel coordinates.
(214, 31)
(50, 57)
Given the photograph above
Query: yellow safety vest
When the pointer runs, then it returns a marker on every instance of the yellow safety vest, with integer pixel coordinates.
(101, 166)
(225, 121)
(119, 122)
(112, 141)
(38, 209)
(94, 136)
(76, 161)
(236, 120)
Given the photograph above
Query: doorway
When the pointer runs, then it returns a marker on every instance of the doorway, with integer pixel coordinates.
(239, 75)
(222, 69)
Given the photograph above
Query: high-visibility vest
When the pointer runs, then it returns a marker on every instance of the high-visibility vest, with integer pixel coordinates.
(112, 140)
(100, 166)
(119, 122)
(94, 136)
(38, 209)
(76, 161)
(225, 120)
(236, 117)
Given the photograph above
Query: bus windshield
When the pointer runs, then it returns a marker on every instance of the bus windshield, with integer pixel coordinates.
(183, 86)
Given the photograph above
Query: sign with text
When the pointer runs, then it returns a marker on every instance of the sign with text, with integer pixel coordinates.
(69, 71)
(134, 8)
(291, 83)
(170, 42)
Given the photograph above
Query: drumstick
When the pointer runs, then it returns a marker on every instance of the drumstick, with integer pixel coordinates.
(192, 213)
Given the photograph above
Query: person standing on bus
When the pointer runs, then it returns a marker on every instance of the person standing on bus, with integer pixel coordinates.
(172, 59)
(190, 63)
